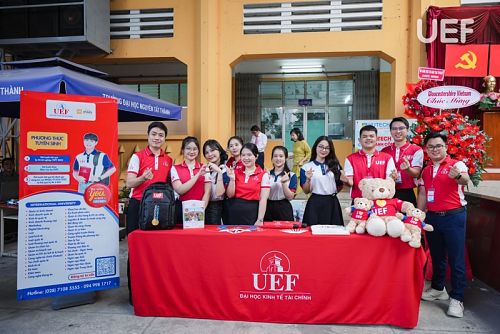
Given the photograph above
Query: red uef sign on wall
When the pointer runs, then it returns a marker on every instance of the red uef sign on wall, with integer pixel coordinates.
(68, 190)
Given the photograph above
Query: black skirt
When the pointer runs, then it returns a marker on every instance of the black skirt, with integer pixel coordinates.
(324, 210)
(213, 213)
(279, 210)
(242, 212)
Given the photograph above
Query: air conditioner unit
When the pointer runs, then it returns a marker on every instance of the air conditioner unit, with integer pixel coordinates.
(49, 27)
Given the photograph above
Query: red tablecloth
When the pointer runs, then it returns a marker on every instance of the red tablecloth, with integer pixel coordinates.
(272, 276)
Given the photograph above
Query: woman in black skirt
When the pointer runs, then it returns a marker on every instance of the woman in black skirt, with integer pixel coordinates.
(321, 178)
(216, 157)
(283, 186)
(249, 189)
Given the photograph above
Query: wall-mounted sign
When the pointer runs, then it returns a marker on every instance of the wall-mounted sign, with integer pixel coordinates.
(305, 102)
(449, 97)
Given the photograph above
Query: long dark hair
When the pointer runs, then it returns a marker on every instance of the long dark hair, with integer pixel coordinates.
(299, 134)
(214, 145)
(285, 151)
(331, 159)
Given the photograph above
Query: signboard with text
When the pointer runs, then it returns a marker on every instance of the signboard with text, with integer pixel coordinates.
(68, 190)
(429, 73)
(449, 97)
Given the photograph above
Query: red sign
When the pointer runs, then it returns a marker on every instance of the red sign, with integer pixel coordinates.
(429, 73)
(466, 60)
(495, 60)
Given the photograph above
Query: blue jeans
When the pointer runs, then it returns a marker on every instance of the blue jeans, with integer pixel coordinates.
(448, 239)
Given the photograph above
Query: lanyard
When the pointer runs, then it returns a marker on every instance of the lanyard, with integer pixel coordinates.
(401, 152)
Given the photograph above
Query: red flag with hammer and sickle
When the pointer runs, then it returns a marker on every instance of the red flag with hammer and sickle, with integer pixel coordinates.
(495, 61)
(469, 60)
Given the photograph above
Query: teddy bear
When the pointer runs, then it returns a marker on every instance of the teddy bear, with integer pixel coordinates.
(383, 220)
(414, 223)
(359, 214)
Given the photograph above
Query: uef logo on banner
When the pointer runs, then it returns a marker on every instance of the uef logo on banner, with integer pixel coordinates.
(275, 280)
(80, 111)
(449, 97)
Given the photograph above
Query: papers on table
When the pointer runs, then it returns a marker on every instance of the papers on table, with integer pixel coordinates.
(329, 230)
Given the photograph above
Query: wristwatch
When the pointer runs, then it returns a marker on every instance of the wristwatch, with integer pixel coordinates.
(458, 177)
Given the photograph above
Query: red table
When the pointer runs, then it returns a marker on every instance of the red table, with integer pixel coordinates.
(273, 276)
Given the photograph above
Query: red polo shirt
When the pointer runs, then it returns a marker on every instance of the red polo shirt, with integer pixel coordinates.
(235, 164)
(448, 194)
(413, 153)
(183, 173)
(249, 187)
(159, 164)
(357, 166)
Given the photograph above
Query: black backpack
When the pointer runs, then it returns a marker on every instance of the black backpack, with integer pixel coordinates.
(157, 207)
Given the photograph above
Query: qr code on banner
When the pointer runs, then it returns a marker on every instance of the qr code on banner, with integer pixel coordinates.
(105, 266)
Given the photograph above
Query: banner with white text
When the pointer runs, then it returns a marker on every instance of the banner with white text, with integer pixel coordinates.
(68, 191)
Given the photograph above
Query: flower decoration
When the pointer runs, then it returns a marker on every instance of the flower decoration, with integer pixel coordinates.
(489, 100)
(466, 142)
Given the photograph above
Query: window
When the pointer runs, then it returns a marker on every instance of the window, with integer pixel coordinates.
(171, 92)
(331, 100)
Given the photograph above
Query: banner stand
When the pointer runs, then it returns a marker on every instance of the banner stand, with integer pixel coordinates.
(66, 301)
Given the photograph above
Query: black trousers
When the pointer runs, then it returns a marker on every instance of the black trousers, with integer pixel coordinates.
(260, 160)
(242, 212)
(132, 225)
(407, 195)
(213, 212)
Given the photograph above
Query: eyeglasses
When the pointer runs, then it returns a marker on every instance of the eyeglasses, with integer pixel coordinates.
(437, 147)
(324, 148)
(399, 128)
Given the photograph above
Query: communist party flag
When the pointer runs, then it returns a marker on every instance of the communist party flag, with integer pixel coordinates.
(469, 60)
(495, 60)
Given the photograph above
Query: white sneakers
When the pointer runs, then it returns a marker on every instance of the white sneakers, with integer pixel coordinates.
(456, 307)
(433, 294)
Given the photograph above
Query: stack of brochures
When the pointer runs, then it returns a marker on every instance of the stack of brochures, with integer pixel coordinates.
(329, 230)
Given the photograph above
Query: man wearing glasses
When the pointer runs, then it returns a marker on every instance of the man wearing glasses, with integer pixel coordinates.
(441, 192)
(409, 159)
(367, 162)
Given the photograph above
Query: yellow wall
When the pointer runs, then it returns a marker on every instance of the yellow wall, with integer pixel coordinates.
(209, 39)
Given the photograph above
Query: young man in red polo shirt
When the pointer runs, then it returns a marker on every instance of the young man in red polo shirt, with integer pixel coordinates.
(409, 159)
(147, 166)
(367, 162)
(441, 192)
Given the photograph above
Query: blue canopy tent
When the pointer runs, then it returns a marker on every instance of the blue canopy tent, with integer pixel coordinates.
(132, 105)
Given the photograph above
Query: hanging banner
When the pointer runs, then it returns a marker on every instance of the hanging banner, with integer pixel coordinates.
(470, 60)
(68, 190)
(495, 61)
(384, 137)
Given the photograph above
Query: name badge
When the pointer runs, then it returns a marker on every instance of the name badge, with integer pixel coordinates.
(430, 195)
(399, 180)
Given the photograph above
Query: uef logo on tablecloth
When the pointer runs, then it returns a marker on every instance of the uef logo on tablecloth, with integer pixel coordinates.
(275, 281)
(275, 273)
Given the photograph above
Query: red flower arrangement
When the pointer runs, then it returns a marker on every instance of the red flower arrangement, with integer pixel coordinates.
(466, 142)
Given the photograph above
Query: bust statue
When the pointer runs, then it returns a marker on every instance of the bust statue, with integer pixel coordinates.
(489, 84)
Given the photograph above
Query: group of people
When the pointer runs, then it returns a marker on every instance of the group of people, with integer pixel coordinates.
(237, 189)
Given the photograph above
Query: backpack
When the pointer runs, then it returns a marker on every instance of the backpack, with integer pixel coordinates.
(96, 161)
(157, 207)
